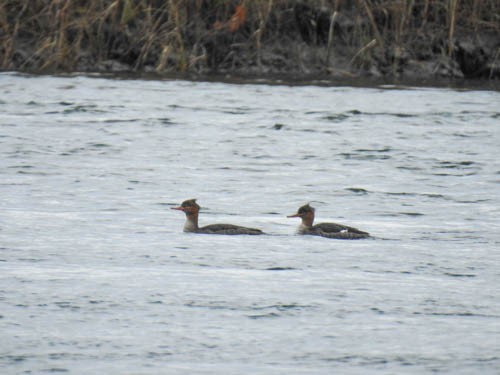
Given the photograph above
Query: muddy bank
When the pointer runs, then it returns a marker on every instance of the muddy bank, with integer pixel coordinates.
(409, 40)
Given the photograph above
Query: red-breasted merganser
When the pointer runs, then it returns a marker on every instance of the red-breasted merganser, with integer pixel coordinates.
(191, 209)
(329, 230)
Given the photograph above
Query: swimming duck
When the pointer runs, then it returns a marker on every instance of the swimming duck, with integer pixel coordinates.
(329, 230)
(191, 209)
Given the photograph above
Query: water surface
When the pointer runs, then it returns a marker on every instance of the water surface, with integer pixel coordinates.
(97, 276)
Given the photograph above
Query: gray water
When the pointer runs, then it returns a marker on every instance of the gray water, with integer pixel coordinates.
(97, 277)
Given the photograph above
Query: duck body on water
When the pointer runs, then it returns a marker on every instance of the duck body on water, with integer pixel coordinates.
(306, 213)
(192, 209)
(328, 230)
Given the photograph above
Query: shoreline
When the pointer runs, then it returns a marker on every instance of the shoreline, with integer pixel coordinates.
(299, 40)
(283, 79)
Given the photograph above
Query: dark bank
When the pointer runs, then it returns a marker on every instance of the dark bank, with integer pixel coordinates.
(337, 39)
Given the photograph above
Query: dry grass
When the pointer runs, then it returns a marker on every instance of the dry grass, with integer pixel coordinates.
(197, 35)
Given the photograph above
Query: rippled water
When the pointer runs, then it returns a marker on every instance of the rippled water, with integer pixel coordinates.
(98, 277)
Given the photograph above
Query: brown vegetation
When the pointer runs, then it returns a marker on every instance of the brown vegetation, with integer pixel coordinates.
(413, 38)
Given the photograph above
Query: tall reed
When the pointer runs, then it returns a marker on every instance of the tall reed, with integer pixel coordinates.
(179, 35)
